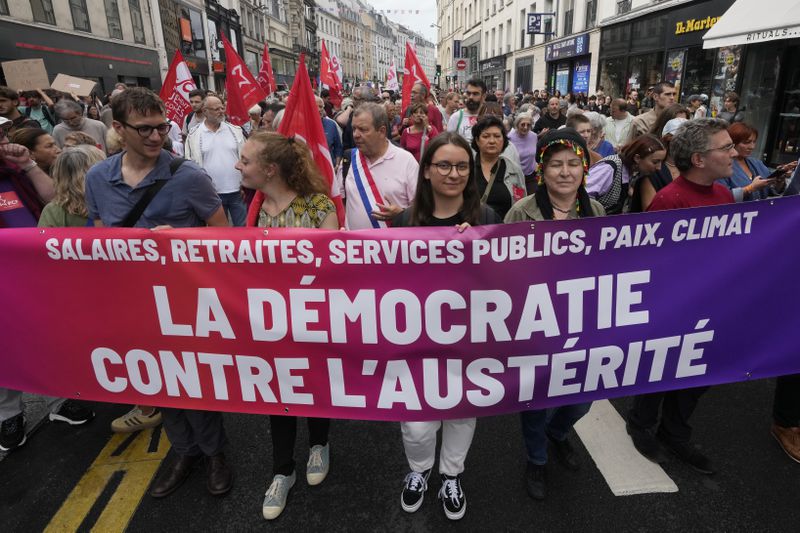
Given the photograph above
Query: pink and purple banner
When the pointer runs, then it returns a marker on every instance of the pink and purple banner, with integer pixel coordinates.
(403, 324)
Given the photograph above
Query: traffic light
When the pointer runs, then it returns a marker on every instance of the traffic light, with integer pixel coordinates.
(438, 70)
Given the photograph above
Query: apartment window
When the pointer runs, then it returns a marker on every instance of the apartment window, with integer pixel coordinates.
(3, 7)
(568, 15)
(548, 29)
(112, 16)
(80, 17)
(623, 6)
(591, 14)
(136, 21)
(43, 11)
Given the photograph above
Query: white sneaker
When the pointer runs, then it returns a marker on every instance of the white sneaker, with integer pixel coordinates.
(275, 498)
(319, 461)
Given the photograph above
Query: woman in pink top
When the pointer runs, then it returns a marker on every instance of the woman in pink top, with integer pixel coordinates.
(419, 134)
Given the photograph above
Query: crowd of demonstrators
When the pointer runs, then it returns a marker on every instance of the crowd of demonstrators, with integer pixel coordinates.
(503, 156)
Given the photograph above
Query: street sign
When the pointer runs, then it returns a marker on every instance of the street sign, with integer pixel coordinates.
(462, 64)
(534, 22)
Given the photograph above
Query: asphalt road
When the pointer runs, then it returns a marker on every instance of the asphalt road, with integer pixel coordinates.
(755, 488)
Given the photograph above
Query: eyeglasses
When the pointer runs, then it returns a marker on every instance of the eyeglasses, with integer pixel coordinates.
(445, 168)
(146, 131)
(726, 148)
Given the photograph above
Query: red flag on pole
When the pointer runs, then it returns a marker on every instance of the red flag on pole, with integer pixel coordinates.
(266, 78)
(412, 73)
(243, 91)
(326, 74)
(176, 88)
(301, 120)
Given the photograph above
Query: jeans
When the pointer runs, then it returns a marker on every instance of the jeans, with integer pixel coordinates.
(556, 423)
(419, 441)
(234, 207)
(786, 407)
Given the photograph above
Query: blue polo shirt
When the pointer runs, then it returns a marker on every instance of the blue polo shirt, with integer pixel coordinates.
(334, 140)
(187, 200)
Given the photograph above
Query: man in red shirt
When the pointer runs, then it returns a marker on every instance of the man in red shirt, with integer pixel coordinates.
(419, 95)
(703, 152)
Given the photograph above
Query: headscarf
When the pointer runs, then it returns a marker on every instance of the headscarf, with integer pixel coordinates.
(564, 136)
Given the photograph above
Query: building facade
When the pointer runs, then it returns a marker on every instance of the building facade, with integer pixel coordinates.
(107, 41)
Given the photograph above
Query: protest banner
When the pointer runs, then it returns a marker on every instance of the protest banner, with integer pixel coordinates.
(71, 84)
(405, 323)
(26, 74)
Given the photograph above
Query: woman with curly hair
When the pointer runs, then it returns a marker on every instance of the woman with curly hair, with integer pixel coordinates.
(290, 193)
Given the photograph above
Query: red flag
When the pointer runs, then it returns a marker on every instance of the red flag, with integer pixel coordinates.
(266, 79)
(176, 88)
(301, 120)
(243, 91)
(326, 74)
(412, 73)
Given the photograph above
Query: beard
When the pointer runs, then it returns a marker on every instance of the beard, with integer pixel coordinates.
(472, 106)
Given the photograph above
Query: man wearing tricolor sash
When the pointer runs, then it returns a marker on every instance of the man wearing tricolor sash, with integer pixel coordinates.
(382, 178)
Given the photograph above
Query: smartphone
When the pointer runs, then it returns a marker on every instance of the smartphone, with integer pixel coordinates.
(776, 174)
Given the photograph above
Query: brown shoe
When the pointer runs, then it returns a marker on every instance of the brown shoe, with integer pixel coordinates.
(220, 476)
(173, 476)
(789, 439)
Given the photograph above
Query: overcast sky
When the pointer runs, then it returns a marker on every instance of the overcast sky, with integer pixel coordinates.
(420, 23)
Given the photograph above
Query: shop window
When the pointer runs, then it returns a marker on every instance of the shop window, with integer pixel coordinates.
(699, 67)
(612, 76)
(645, 70)
(758, 89)
(136, 21)
(43, 11)
(80, 17)
(112, 17)
(787, 145)
(3, 7)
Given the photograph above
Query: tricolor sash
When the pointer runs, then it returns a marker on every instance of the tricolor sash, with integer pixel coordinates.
(367, 188)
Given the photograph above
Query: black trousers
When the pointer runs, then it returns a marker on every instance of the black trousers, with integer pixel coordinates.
(676, 406)
(786, 407)
(284, 435)
(194, 432)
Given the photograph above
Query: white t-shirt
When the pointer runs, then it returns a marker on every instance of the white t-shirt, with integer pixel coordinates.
(465, 128)
(220, 153)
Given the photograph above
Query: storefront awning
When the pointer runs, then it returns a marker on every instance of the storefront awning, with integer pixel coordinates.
(755, 21)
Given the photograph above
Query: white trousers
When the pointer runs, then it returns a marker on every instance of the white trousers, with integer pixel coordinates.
(419, 441)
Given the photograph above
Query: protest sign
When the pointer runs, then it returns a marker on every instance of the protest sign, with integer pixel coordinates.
(26, 74)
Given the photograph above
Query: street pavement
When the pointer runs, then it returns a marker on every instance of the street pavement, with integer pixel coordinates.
(81, 478)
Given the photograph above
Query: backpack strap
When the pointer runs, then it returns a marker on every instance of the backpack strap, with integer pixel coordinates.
(135, 214)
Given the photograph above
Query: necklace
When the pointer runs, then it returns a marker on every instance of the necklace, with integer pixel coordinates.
(670, 164)
(565, 211)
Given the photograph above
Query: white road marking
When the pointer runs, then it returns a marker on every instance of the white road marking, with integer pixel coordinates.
(603, 433)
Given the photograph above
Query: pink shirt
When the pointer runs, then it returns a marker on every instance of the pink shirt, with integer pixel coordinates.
(395, 174)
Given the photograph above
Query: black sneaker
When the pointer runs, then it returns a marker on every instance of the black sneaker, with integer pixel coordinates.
(689, 454)
(453, 500)
(565, 452)
(73, 413)
(645, 443)
(536, 481)
(12, 433)
(416, 483)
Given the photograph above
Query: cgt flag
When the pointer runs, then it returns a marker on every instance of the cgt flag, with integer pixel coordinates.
(301, 120)
(176, 88)
(266, 78)
(243, 90)
(412, 73)
(328, 76)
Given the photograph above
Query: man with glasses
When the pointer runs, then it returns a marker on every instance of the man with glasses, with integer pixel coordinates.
(71, 115)
(186, 199)
(703, 152)
(215, 145)
(462, 121)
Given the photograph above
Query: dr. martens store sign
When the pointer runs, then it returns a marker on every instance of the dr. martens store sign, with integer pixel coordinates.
(686, 26)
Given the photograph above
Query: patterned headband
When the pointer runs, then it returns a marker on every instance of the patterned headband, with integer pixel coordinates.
(579, 151)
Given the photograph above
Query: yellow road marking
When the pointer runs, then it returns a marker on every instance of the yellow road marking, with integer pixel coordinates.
(139, 466)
